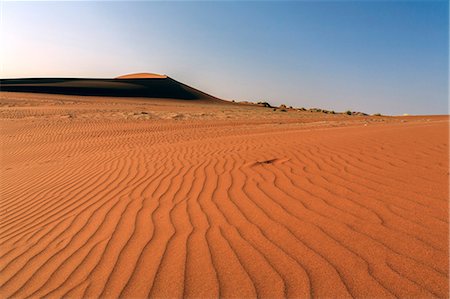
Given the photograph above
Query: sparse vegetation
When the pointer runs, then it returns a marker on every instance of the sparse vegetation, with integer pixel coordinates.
(377, 114)
(264, 104)
(284, 108)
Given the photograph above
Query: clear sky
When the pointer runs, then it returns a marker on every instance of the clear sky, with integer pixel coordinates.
(373, 56)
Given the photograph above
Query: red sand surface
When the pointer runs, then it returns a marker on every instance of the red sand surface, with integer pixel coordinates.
(102, 197)
(142, 76)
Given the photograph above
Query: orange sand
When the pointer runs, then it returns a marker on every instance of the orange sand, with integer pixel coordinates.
(104, 197)
(142, 76)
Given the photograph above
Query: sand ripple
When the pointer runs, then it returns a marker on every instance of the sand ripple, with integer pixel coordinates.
(203, 209)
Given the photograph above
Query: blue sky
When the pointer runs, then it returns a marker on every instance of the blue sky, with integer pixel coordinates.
(373, 56)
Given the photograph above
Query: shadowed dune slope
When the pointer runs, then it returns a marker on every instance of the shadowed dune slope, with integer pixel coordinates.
(133, 85)
(120, 207)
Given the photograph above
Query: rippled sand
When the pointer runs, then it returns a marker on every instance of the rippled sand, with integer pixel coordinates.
(105, 197)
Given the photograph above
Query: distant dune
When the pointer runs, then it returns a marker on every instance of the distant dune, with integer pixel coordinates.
(133, 85)
(142, 76)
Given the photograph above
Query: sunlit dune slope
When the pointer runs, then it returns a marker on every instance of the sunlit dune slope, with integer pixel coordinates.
(142, 76)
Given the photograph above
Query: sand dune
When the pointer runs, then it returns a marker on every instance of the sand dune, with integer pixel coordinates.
(132, 85)
(130, 198)
(142, 76)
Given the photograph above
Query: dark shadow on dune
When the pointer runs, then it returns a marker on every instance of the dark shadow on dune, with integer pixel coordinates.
(150, 88)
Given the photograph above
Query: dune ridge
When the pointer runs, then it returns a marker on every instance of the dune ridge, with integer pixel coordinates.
(146, 85)
(141, 76)
(125, 207)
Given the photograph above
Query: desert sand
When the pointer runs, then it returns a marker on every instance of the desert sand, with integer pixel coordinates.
(142, 76)
(132, 198)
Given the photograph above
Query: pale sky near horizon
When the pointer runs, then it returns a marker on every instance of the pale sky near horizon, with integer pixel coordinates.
(373, 56)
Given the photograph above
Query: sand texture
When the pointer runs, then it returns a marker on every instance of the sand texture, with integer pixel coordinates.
(134, 198)
(142, 76)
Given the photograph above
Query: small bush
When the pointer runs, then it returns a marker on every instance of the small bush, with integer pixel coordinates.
(377, 114)
(348, 112)
(265, 104)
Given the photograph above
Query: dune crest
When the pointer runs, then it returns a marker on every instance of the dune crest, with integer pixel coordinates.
(142, 76)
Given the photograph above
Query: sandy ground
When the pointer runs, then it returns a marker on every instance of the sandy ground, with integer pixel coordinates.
(104, 197)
